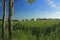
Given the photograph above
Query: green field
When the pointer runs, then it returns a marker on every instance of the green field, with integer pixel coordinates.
(34, 30)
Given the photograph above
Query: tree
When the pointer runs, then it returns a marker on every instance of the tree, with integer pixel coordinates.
(38, 19)
(32, 19)
(0, 19)
(3, 20)
(11, 2)
(22, 19)
(30, 1)
(26, 20)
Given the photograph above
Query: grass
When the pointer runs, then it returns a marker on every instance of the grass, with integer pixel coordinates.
(34, 30)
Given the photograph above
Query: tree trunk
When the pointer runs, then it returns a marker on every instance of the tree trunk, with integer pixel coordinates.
(3, 20)
(10, 18)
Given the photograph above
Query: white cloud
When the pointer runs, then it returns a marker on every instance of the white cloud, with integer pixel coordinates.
(54, 5)
(51, 2)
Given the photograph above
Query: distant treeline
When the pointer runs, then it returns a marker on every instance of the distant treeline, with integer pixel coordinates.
(38, 19)
(0, 19)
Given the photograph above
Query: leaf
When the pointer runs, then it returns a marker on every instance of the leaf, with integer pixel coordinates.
(30, 1)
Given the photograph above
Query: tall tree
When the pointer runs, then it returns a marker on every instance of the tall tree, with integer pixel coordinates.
(11, 2)
(3, 20)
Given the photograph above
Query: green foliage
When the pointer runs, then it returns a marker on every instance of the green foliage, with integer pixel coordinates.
(34, 30)
(30, 1)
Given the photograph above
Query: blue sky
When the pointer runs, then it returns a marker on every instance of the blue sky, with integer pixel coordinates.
(38, 9)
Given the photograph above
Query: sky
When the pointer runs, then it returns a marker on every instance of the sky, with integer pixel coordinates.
(38, 9)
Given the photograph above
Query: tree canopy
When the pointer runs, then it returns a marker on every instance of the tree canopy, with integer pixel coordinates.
(30, 1)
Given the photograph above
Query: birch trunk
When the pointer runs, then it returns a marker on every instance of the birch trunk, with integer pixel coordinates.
(3, 20)
(10, 18)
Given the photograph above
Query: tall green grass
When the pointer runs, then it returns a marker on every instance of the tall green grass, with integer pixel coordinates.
(34, 30)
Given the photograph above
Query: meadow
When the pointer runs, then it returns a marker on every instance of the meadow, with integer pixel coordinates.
(34, 30)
